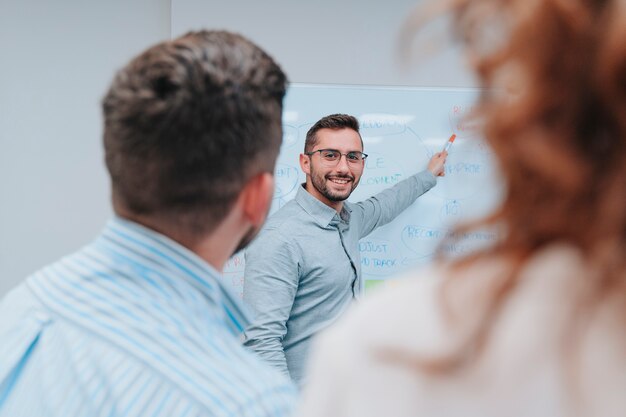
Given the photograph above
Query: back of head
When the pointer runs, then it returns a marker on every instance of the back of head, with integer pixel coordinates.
(187, 124)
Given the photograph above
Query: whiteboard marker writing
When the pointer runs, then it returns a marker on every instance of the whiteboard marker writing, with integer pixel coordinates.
(449, 143)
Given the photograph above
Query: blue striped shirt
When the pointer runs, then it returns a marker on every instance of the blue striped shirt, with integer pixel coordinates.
(131, 325)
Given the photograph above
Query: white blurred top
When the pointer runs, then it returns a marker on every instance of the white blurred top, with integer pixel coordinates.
(362, 366)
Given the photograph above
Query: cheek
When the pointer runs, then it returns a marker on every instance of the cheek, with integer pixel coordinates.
(318, 172)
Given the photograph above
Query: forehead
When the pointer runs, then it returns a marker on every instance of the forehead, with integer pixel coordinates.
(340, 139)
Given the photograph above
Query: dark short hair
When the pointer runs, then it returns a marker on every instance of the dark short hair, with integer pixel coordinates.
(333, 121)
(187, 123)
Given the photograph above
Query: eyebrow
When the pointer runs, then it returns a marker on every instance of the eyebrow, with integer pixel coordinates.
(337, 150)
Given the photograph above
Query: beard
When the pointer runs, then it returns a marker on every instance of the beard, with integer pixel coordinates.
(251, 233)
(320, 182)
(247, 238)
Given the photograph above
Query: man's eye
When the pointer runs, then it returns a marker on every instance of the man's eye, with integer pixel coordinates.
(353, 156)
(329, 154)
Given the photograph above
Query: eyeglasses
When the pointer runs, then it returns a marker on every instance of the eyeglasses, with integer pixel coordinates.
(331, 157)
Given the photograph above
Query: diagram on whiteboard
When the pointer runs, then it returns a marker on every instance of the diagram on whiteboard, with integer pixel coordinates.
(401, 129)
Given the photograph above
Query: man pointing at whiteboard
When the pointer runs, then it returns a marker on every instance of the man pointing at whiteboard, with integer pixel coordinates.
(304, 269)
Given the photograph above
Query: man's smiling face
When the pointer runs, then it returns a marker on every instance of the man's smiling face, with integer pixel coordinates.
(332, 183)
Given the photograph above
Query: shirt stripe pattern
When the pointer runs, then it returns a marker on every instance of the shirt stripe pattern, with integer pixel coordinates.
(133, 324)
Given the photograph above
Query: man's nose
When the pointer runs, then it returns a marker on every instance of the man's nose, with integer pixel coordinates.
(343, 165)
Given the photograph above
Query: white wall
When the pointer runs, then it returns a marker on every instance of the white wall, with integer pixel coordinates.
(56, 61)
(333, 41)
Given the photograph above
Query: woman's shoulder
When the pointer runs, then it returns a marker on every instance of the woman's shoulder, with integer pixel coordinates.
(390, 316)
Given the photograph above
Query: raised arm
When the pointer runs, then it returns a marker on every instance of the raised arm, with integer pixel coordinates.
(270, 284)
(388, 204)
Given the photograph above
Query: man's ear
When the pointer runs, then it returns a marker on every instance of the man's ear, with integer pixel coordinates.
(305, 164)
(257, 198)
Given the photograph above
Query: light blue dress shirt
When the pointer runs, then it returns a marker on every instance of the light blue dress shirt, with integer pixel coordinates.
(131, 325)
(304, 268)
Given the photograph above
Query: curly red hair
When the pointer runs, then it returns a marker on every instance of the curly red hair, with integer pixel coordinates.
(559, 134)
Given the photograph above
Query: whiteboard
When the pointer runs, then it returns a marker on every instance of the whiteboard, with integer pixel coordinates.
(401, 129)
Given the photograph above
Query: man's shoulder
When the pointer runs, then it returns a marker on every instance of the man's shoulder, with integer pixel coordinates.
(199, 361)
(22, 319)
(200, 376)
(285, 217)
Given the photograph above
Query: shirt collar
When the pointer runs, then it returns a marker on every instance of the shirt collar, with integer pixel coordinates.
(184, 264)
(323, 215)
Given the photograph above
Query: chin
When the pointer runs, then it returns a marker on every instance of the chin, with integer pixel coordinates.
(337, 197)
(342, 196)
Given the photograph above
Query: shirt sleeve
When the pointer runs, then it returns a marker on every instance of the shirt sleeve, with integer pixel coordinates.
(270, 283)
(388, 204)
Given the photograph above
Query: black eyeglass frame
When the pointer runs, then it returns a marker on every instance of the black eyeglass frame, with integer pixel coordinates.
(352, 161)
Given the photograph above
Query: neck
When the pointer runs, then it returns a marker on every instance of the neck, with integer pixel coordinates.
(211, 247)
(336, 205)
(213, 250)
